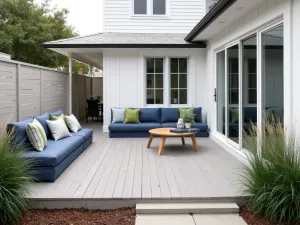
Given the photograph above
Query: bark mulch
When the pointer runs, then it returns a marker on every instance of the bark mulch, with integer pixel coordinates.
(253, 219)
(124, 216)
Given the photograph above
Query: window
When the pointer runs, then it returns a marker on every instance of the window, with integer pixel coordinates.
(178, 80)
(159, 7)
(140, 7)
(155, 80)
(149, 7)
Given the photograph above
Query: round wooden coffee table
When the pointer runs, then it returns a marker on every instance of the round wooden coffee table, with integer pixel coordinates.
(165, 132)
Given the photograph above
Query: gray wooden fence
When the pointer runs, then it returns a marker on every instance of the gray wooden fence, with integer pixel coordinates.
(28, 90)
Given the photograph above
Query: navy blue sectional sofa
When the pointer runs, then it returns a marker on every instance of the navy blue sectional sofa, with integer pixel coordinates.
(151, 118)
(57, 155)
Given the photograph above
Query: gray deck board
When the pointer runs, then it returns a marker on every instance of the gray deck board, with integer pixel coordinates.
(127, 169)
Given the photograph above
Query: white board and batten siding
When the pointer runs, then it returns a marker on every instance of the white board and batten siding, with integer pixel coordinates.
(181, 17)
(124, 80)
(27, 90)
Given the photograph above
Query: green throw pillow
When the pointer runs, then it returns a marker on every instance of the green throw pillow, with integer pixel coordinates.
(132, 115)
(234, 115)
(182, 110)
(57, 117)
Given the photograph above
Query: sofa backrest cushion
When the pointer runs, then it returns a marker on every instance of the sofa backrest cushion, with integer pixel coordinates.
(42, 119)
(198, 116)
(19, 131)
(57, 113)
(150, 115)
(169, 115)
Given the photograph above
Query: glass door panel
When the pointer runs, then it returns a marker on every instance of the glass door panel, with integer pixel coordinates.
(233, 93)
(249, 88)
(220, 92)
(272, 73)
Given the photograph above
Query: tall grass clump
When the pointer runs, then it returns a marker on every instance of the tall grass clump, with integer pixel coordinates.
(271, 176)
(15, 179)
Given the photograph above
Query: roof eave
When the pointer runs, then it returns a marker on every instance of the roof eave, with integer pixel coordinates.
(61, 45)
(212, 15)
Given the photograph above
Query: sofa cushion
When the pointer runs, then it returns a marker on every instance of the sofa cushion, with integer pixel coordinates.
(201, 126)
(198, 116)
(42, 119)
(122, 127)
(19, 129)
(57, 113)
(150, 115)
(55, 151)
(169, 115)
(169, 124)
(86, 133)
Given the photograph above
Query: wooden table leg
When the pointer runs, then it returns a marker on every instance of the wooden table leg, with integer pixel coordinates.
(194, 142)
(182, 140)
(150, 140)
(162, 144)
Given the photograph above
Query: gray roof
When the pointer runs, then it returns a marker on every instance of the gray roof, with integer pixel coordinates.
(123, 39)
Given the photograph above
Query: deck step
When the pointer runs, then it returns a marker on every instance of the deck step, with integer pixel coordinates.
(186, 208)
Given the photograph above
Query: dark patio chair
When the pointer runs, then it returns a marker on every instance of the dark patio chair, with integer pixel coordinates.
(92, 110)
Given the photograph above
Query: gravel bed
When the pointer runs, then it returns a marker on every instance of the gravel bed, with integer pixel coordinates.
(124, 216)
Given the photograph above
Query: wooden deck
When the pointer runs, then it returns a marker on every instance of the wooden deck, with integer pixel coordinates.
(120, 172)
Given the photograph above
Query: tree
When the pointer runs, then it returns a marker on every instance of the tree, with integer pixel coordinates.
(24, 26)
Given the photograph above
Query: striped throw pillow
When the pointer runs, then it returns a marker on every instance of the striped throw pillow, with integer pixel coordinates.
(36, 135)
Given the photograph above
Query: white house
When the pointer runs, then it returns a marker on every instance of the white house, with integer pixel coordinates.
(238, 61)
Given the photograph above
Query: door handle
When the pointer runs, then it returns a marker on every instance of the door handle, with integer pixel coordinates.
(215, 95)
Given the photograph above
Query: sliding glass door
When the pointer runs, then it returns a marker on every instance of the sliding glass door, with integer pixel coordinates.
(244, 72)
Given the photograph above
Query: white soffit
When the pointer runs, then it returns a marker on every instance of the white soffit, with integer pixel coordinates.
(236, 11)
(91, 56)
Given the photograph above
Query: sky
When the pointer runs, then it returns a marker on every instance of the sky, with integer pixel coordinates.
(86, 16)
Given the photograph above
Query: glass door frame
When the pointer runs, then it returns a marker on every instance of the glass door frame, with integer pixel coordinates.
(259, 87)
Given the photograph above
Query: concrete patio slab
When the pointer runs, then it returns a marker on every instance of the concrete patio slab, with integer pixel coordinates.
(217, 219)
(164, 220)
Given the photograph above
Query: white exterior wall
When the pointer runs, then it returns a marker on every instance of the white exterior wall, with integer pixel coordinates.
(181, 17)
(124, 83)
(269, 12)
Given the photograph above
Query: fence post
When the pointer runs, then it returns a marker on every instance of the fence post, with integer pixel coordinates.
(18, 91)
(41, 92)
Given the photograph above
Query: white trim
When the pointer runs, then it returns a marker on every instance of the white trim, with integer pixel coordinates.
(240, 155)
(70, 83)
(105, 129)
(240, 85)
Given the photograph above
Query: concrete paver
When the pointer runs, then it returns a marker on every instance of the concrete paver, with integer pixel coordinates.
(177, 219)
(218, 219)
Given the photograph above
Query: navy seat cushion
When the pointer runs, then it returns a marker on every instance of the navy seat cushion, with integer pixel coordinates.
(57, 113)
(201, 126)
(150, 115)
(169, 115)
(19, 131)
(198, 116)
(42, 119)
(55, 151)
(86, 133)
(128, 127)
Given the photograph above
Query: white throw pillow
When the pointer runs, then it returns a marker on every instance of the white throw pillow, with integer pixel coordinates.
(73, 123)
(58, 129)
(118, 115)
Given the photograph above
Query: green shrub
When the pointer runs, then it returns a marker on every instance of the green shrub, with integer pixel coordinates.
(15, 180)
(271, 176)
